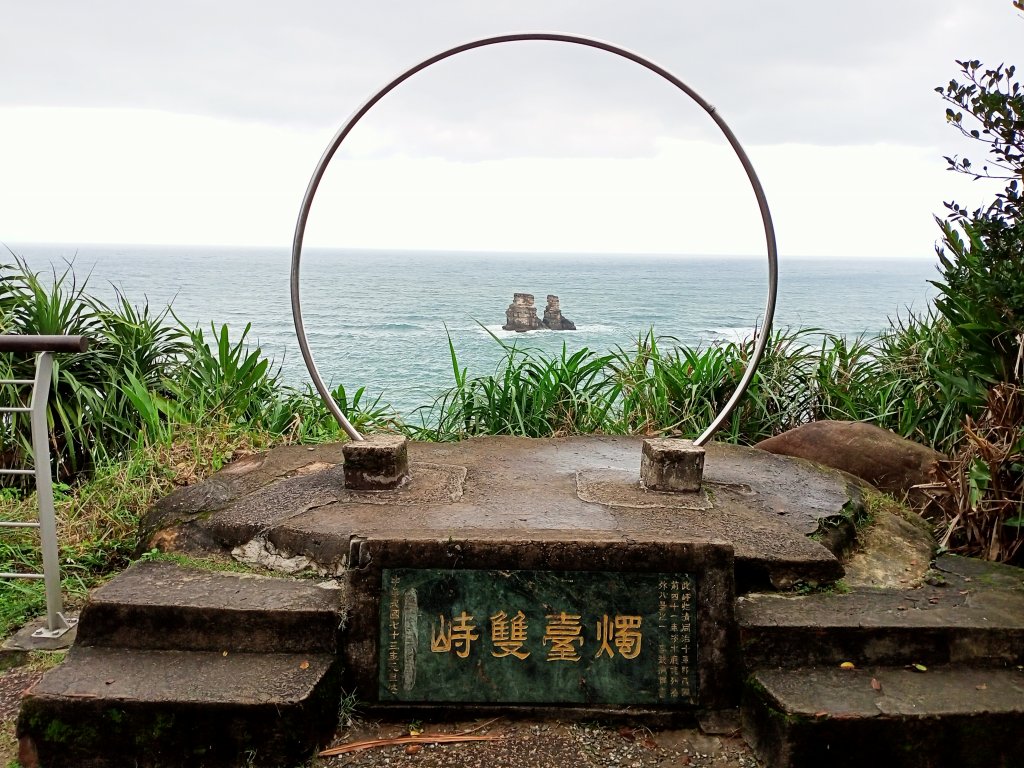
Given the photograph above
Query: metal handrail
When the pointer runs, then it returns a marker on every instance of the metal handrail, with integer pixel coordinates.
(44, 347)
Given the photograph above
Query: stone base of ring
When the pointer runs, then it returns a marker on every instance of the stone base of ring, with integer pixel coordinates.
(376, 463)
(671, 464)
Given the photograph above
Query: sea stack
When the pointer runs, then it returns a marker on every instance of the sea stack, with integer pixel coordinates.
(521, 315)
(553, 318)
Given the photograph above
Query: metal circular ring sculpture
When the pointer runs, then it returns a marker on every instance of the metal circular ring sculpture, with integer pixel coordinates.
(339, 137)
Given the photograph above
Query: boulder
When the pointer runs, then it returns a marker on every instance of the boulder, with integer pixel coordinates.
(884, 459)
(521, 315)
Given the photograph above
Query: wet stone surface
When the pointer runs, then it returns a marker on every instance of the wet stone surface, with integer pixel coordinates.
(489, 488)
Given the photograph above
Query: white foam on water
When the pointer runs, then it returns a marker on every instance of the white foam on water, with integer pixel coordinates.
(501, 333)
(737, 334)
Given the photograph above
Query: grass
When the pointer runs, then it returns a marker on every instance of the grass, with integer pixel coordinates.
(202, 563)
(658, 387)
(97, 519)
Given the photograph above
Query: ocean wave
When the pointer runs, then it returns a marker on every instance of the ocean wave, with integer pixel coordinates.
(341, 321)
(501, 333)
(737, 333)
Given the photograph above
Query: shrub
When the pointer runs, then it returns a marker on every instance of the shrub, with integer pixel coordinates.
(982, 300)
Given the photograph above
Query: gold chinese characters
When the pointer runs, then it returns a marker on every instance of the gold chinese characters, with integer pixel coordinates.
(508, 636)
(563, 638)
(457, 638)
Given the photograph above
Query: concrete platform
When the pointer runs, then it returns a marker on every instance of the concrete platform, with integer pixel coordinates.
(899, 718)
(785, 517)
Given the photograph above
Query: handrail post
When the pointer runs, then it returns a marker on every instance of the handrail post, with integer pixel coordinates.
(56, 623)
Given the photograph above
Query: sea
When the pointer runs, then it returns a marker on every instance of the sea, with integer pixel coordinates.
(382, 320)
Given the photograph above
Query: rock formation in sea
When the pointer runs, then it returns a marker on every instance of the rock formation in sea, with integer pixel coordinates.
(521, 314)
(553, 318)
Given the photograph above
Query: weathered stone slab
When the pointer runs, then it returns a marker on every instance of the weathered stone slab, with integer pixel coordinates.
(973, 613)
(169, 523)
(115, 707)
(768, 506)
(216, 521)
(398, 652)
(899, 718)
(621, 488)
(164, 606)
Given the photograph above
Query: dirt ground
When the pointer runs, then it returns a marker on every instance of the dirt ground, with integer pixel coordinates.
(13, 682)
(542, 744)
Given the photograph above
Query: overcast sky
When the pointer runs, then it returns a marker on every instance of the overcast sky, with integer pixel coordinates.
(198, 122)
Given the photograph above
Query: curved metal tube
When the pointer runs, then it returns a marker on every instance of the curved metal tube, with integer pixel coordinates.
(339, 137)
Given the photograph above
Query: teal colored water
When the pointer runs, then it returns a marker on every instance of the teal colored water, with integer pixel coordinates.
(379, 319)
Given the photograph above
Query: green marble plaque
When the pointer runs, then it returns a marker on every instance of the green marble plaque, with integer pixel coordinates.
(538, 637)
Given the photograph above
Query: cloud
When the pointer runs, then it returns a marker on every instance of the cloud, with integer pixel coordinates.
(197, 122)
(804, 72)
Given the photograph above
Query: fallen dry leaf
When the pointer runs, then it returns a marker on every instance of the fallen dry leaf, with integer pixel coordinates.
(981, 687)
(412, 749)
(875, 684)
(435, 738)
(304, 664)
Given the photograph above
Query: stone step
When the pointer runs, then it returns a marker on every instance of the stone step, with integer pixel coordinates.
(165, 606)
(113, 707)
(973, 613)
(884, 716)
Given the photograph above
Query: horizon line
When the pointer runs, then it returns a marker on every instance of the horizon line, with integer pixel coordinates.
(11, 245)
